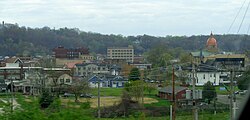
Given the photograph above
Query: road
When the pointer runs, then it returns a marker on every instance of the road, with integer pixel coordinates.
(225, 100)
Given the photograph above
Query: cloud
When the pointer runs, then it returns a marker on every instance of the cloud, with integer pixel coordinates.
(128, 17)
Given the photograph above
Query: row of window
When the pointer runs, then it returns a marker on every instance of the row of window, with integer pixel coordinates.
(128, 50)
(122, 56)
(127, 53)
(66, 81)
(89, 68)
(204, 76)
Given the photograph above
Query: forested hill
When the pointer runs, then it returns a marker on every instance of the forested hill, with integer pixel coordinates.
(40, 41)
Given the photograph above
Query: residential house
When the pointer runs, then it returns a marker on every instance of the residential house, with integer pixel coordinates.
(203, 74)
(65, 79)
(93, 81)
(117, 82)
(107, 81)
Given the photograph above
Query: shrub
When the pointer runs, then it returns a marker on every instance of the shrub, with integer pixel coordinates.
(46, 99)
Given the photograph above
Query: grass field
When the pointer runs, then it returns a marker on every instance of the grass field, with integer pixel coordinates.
(104, 101)
(160, 103)
(107, 91)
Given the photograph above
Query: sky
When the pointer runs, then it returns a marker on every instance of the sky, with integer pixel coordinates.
(130, 17)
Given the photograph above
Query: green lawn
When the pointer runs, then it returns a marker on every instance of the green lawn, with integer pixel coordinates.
(107, 91)
(160, 103)
(115, 92)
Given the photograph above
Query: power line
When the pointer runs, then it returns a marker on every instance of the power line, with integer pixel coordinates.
(243, 17)
(248, 29)
(236, 17)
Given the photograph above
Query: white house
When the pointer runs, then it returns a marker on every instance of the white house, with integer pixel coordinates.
(204, 74)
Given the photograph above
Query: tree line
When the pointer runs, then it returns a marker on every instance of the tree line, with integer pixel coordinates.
(40, 41)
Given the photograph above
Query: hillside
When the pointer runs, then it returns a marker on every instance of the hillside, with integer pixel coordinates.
(40, 41)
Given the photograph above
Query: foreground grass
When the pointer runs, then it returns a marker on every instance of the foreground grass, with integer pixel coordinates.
(219, 116)
(29, 110)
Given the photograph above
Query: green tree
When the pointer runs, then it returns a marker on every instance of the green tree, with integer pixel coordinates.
(134, 74)
(159, 56)
(46, 99)
(209, 92)
(150, 87)
(244, 80)
(135, 89)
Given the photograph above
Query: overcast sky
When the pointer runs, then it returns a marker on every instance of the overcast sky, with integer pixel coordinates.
(129, 17)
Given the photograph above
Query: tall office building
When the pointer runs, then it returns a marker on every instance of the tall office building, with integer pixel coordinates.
(126, 53)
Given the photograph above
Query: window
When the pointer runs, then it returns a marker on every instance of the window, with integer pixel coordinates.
(61, 80)
(214, 75)
(204, 76)
(119, 83)
(67, 80)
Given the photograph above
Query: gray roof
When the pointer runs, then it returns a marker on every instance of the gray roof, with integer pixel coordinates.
(2, 81)
(168, 89)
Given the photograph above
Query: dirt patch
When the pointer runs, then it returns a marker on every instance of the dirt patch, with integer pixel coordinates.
(104, 101)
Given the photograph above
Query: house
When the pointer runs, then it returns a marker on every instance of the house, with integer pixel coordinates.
(205, 73)
(166, 92)
(115, 69)
(117, 82)
(107, 81)
(93, 81)
(65, 79)
(13, 60)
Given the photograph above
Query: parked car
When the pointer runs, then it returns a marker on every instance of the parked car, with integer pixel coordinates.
(243, 92)
(68, 95)
(86, 95)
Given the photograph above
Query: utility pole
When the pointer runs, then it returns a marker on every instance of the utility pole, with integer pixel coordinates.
(195, 111)
(232, 96)
(12, 95)
(99, 111)
(173, 94)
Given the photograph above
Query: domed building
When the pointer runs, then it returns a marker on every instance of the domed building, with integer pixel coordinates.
(212, 63)
(211, 45)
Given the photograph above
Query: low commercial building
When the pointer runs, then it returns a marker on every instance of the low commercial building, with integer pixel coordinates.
(166, 92)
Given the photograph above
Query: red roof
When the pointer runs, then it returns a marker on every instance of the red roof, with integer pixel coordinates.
(71, 65)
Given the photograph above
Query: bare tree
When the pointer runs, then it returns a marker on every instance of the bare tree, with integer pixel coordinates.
(78, 87)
